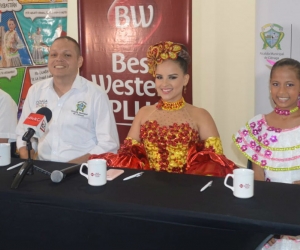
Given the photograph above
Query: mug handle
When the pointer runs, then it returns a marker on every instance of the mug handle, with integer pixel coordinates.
(225, 181)
(80, 171)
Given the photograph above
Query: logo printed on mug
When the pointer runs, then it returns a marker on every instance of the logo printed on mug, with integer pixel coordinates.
(96, 174)
(245, 186)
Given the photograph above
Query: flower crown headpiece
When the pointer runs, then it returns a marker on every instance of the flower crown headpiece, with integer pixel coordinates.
(159, 52)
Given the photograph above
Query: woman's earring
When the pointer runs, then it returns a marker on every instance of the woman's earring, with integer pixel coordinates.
(184, 89)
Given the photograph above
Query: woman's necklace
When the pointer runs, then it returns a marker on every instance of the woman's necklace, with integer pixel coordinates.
(170, 106)
(285, 112)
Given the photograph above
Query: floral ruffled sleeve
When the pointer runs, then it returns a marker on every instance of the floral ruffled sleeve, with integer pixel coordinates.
(207, 158)
(131, 154)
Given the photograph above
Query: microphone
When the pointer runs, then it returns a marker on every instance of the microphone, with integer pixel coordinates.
(58, 175)
(37, 123)
(41, 170)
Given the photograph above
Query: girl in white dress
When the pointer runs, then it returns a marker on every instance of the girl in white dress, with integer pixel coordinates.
(37, 48)
(12, 43)
(272, 142)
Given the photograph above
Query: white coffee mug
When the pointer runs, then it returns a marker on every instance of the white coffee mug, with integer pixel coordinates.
(96, 172)
(4, 154)
(243, 182)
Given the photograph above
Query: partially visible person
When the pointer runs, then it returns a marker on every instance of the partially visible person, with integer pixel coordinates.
(8, 118)
(37, 47)
(59, 32)
(12, 43)
(272, 142)
(2, 60)
(172, 135)
(82, 119)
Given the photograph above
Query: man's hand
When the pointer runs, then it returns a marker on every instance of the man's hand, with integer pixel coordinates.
(24, 154)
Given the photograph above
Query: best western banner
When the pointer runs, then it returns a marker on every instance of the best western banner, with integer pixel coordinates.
(277, 37)
(114, 38)
(27, 30)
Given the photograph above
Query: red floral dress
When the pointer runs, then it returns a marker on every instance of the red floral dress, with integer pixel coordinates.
(175, 149)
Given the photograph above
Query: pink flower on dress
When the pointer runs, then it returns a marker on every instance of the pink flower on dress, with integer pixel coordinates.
(238, 140)
(257, 149)
(244, 147)
(245, 132)
(260, 122)
(268, 153)
(252, 124)
(273, 138)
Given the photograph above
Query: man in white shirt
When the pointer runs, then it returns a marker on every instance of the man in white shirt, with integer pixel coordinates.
(8, 118)
(82, 119)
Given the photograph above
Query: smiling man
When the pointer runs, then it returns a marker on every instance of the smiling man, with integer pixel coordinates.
(82, 119)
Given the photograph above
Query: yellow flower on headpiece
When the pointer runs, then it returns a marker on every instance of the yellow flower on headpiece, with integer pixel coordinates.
(159, 52)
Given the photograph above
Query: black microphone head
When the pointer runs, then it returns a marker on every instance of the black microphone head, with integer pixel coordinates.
(46, 112)
(57, 176)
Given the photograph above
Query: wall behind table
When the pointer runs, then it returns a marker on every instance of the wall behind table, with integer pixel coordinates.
(223, 63)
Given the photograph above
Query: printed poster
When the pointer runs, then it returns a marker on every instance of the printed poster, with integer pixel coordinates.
(27, 30)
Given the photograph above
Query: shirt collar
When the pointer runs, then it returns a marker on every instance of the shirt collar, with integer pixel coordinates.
(77, 84)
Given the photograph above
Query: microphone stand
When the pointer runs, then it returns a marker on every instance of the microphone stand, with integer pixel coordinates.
(27, 167)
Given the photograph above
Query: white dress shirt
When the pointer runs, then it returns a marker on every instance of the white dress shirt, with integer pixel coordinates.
(82, 121)
(8, 116)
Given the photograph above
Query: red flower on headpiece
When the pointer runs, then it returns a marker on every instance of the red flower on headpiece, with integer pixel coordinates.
(159, 52)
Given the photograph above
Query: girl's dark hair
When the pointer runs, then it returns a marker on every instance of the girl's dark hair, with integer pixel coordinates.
(288, 62)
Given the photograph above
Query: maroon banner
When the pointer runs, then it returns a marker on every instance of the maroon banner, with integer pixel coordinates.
(114, 37)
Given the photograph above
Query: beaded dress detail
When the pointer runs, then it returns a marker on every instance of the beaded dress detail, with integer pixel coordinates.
(167, 136)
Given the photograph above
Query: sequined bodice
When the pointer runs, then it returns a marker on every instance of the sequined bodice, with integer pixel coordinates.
(167, 146)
